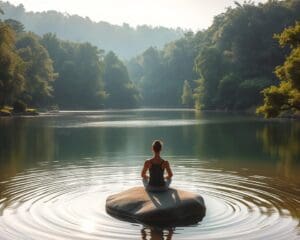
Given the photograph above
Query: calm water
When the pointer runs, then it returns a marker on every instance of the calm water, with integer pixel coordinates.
(57, 170)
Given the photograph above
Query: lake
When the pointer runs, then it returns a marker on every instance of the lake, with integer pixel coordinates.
(56, 171)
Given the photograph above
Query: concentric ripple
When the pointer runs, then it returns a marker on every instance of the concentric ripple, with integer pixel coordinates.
(68, 202)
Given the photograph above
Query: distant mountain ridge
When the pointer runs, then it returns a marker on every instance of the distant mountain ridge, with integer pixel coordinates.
(124, 40)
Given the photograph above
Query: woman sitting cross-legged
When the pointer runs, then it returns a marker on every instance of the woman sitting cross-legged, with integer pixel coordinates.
(156, 182)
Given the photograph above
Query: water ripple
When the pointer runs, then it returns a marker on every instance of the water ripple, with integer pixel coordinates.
(68, 202)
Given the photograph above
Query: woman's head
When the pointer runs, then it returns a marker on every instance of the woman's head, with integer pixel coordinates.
(157, 146)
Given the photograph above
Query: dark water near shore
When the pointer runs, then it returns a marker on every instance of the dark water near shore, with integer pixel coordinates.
(57, 170)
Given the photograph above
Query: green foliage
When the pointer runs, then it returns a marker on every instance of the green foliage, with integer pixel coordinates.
(160, 74)
(199, 93)
(19, 106)
(125, 40)
(187, 94)
(205, 66)
(122, 93)
(290, 36)
(11, 67)
(151, 80)
(227, 91)
(276, 100)
(234, 59)
(29, 66)
(290, 70)
(240, 54)
(39, 72)
(15, 25)
(248, 92)
(80, 73)
(87, 78)
(285, 97)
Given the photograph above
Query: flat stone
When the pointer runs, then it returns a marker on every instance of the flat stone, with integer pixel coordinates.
(170, 208)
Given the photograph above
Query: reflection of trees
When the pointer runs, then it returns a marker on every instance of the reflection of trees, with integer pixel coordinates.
(151, 233)
(224, 136)
(23, 143)
(283, 142)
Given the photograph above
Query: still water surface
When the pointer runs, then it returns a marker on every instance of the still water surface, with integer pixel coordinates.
(57, 170)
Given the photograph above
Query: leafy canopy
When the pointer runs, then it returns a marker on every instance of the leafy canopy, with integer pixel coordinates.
(286, 96)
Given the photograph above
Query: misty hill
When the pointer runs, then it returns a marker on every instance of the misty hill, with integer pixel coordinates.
(124, 40)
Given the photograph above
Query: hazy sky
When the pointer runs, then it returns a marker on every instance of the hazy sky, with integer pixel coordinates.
(194, 14)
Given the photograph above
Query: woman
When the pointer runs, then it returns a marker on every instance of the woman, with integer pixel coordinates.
(156, 182)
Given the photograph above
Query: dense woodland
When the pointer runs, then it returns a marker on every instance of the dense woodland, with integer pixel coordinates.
(226, 66)
(46, 71)
(124, 40)
(249, 56)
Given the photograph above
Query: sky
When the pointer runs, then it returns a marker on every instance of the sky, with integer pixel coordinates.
(187, 14)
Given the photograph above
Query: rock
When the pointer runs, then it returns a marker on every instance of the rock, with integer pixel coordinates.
(170, 208)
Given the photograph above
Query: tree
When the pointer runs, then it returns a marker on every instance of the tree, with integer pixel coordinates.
(12, 80)
(160, 74)
(233, 59)
(286, 96)
(178, 61)
(198, 93)
(39, 72)
(209, 66)
(121, 91)
(80, 71)
(126, 41)
(187, 94)
(238, 54)
(227, 92)
(15, 25)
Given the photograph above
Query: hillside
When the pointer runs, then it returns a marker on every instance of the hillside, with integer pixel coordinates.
(124, 40)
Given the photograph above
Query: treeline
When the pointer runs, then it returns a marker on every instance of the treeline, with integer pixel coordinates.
(125, 40)
(46, 71)
(224, 67)
(248, 57)
(285, 98)
(160, 74)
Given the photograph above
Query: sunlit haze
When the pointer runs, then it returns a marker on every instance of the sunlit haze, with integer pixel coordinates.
(187, 14)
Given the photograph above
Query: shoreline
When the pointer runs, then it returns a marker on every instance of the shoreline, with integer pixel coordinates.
(8, 112)
(31, 112)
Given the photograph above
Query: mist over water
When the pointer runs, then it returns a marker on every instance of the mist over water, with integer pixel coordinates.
(57, 170)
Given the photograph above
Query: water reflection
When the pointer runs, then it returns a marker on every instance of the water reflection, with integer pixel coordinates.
(58, 177)
(240, 141)
(282, 140)
(22, 145)
(148, 233)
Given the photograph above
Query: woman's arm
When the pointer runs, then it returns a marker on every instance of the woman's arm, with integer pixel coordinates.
(169, 171)
(145, 169)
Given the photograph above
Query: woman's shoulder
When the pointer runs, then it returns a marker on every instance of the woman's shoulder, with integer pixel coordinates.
(165, 163)
(147, 162)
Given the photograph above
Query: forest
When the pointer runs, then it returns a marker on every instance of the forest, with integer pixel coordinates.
(46, 71)
(126, 41)
(228, 65)
(248, 59)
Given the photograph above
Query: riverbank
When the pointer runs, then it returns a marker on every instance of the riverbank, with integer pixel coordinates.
(252, 111)
(8, 111)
